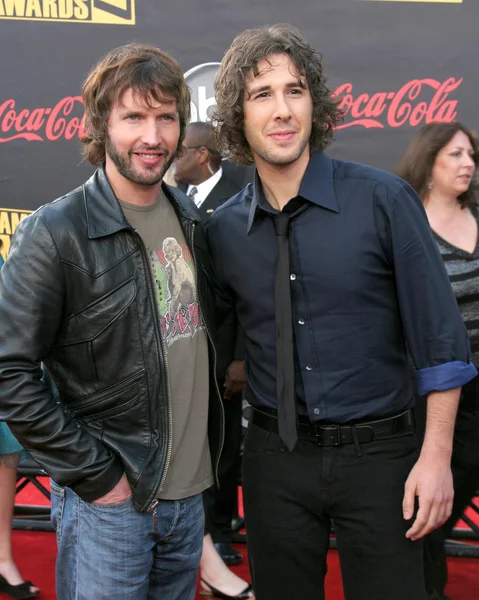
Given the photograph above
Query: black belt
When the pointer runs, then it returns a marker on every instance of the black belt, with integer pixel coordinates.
(335, 435)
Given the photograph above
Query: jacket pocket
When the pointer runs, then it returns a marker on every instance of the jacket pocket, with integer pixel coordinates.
(88, 324)
(99, 343)
(110, 401)
(119, 417)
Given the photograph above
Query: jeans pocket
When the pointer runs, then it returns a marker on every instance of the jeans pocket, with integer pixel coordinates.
(113, 505)
(58, 505)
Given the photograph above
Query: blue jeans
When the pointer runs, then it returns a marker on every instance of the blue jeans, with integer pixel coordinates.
(112, 551)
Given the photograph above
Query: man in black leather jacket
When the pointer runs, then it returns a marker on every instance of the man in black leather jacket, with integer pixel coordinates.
(108, 286)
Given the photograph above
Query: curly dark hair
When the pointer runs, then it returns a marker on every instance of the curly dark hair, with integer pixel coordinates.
(241, 60)
(418, 160)
(143, 68)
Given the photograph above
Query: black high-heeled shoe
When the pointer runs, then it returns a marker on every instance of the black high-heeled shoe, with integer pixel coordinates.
(17, 592)
(213, 592)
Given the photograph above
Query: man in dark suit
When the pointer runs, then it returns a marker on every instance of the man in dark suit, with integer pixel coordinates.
(199, 173)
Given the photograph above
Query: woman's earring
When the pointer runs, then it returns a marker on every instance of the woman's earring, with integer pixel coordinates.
(429, 185)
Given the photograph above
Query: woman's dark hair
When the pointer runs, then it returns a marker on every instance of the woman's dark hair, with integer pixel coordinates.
(242, 59)
(417, 163)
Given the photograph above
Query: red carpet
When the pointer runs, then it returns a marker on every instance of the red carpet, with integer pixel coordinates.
(35, 556)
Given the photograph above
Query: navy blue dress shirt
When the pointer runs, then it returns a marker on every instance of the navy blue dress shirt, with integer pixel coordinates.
(367, 285)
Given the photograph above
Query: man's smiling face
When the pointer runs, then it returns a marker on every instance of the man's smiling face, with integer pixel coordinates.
(142, 138)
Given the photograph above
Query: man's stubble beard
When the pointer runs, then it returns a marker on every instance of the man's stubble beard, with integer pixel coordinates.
(126, 169)
(273, 158)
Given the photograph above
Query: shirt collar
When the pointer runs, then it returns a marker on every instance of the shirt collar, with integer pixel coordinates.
(205, 187)
(316, 186)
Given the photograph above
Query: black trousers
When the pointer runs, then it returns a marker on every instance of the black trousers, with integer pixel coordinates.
(221, 505)
(465, 474)
(291, 500)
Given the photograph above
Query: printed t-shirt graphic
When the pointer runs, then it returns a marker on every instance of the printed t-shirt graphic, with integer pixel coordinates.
(177, 296)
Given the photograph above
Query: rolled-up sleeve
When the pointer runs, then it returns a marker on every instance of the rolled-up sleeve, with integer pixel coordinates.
(435, 333)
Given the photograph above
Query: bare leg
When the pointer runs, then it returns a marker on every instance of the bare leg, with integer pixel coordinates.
(8, 569)
(214, 571)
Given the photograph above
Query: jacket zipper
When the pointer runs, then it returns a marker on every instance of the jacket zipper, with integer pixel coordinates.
(159, 487)
(222, 437)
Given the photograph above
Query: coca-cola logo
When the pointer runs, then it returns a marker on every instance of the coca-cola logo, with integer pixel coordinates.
(417, 102)
(64, 120)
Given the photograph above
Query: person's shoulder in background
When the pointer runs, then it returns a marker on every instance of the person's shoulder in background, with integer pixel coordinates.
(240, 174)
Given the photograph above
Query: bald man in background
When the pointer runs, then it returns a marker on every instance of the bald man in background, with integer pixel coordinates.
(199, 171)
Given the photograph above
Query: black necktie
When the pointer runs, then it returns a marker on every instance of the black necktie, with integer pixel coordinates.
(192, 193)
(284, 329)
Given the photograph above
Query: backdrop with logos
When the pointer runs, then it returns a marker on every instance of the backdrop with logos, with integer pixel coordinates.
(396, 64)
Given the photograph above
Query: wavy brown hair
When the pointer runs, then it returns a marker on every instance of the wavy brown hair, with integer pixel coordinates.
(418, 160)
(241, 60)
(148, 71)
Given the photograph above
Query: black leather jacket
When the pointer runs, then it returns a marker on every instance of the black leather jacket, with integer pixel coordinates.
(77, 293)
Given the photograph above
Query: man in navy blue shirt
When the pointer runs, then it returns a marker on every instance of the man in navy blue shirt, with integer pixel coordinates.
(334, 276)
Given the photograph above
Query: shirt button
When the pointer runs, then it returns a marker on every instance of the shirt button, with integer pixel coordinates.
(301, 321)
(292, 276)
(316, 411)
(309, 367)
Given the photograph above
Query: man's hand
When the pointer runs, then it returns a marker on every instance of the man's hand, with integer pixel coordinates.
(431, 482)
(121, 492)
(235, 380)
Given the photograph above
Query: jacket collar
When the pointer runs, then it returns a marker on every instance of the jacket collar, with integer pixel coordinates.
(103, 211)
(183, 205)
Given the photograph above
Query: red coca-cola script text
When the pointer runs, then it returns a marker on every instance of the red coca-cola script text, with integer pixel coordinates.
(64, 120)
(418, 102)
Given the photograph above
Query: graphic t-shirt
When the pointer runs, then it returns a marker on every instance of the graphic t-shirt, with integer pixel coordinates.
(185, 339)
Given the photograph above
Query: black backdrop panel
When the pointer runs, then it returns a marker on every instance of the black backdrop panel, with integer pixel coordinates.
(395, 64)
